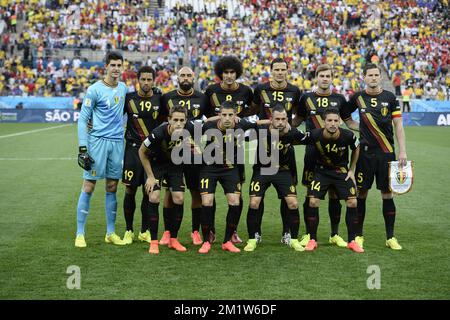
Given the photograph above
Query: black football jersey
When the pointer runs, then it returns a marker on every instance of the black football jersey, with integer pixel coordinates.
(196, 103)
(376, 113)
(268, 144)
(312, 106)
(230, 138)
(267, 97)
(242, 96)
(144, 114)
(333, 154)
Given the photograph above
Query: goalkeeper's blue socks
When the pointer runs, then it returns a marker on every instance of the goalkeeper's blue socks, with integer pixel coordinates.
(111, 210)
(83, 211)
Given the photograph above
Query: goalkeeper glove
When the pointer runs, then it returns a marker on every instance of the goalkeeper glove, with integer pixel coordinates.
(84, 159)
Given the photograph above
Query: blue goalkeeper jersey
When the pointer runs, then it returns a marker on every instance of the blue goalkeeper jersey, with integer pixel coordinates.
(105, 106)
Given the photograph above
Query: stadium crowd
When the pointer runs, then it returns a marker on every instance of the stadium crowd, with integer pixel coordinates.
(411, 41)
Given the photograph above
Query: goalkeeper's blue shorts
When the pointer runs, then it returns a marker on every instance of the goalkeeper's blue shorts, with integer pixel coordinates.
(108, 157)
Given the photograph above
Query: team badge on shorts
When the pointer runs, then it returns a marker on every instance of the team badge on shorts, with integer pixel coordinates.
(400, 179)
(238, 186)
(352, 191)
(292, 188)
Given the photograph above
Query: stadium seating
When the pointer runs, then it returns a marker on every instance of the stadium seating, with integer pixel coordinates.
(408, 38)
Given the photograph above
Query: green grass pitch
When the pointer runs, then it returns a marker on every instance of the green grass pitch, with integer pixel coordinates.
(40, 184)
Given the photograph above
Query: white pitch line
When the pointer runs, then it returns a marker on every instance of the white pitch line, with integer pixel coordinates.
(37, 159)
(33, 131)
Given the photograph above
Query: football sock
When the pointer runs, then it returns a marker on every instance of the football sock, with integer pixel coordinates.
(294, 216)
(166, 216)
(313, 221)
(145, 213)
(196, 214)
(232, 221)
(260, 215)
(82, 211)
(153, 220)
(129, 206)
(111, 210)
(351, 220)
(334, 211)
(361, 216)
(252, 222)
(389, 217)
(213, 217)
(305, 213)
(284, 211)
(206, 219)
(177, 217)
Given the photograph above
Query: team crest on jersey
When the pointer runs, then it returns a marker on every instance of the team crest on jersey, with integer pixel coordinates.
(384, 111)
(195, 112)
(155, 115)
(352, 191)
(116, 99)
(401, 176)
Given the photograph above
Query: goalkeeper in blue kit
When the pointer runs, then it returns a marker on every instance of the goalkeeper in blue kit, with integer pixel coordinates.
(101, 149)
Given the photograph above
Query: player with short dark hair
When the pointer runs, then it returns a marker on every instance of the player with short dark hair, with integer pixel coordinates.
(145, 112)
(311, 109)
(196, 104)
(101, 147)
(228, 69)
(332, 170)
(267, 95)
(380, 115)
(275, 136)
(222, 134)
(155, 154)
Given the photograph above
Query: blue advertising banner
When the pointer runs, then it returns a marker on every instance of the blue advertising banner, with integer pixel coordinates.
(38, 115)
(11, 102)
(430, 106)
(63, 115)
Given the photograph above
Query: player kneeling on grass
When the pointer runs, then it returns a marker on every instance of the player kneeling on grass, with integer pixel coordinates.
(274, 138)
(332, 144)
(155, 154)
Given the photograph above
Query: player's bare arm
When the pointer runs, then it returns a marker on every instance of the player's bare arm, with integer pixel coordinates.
(400, 134)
